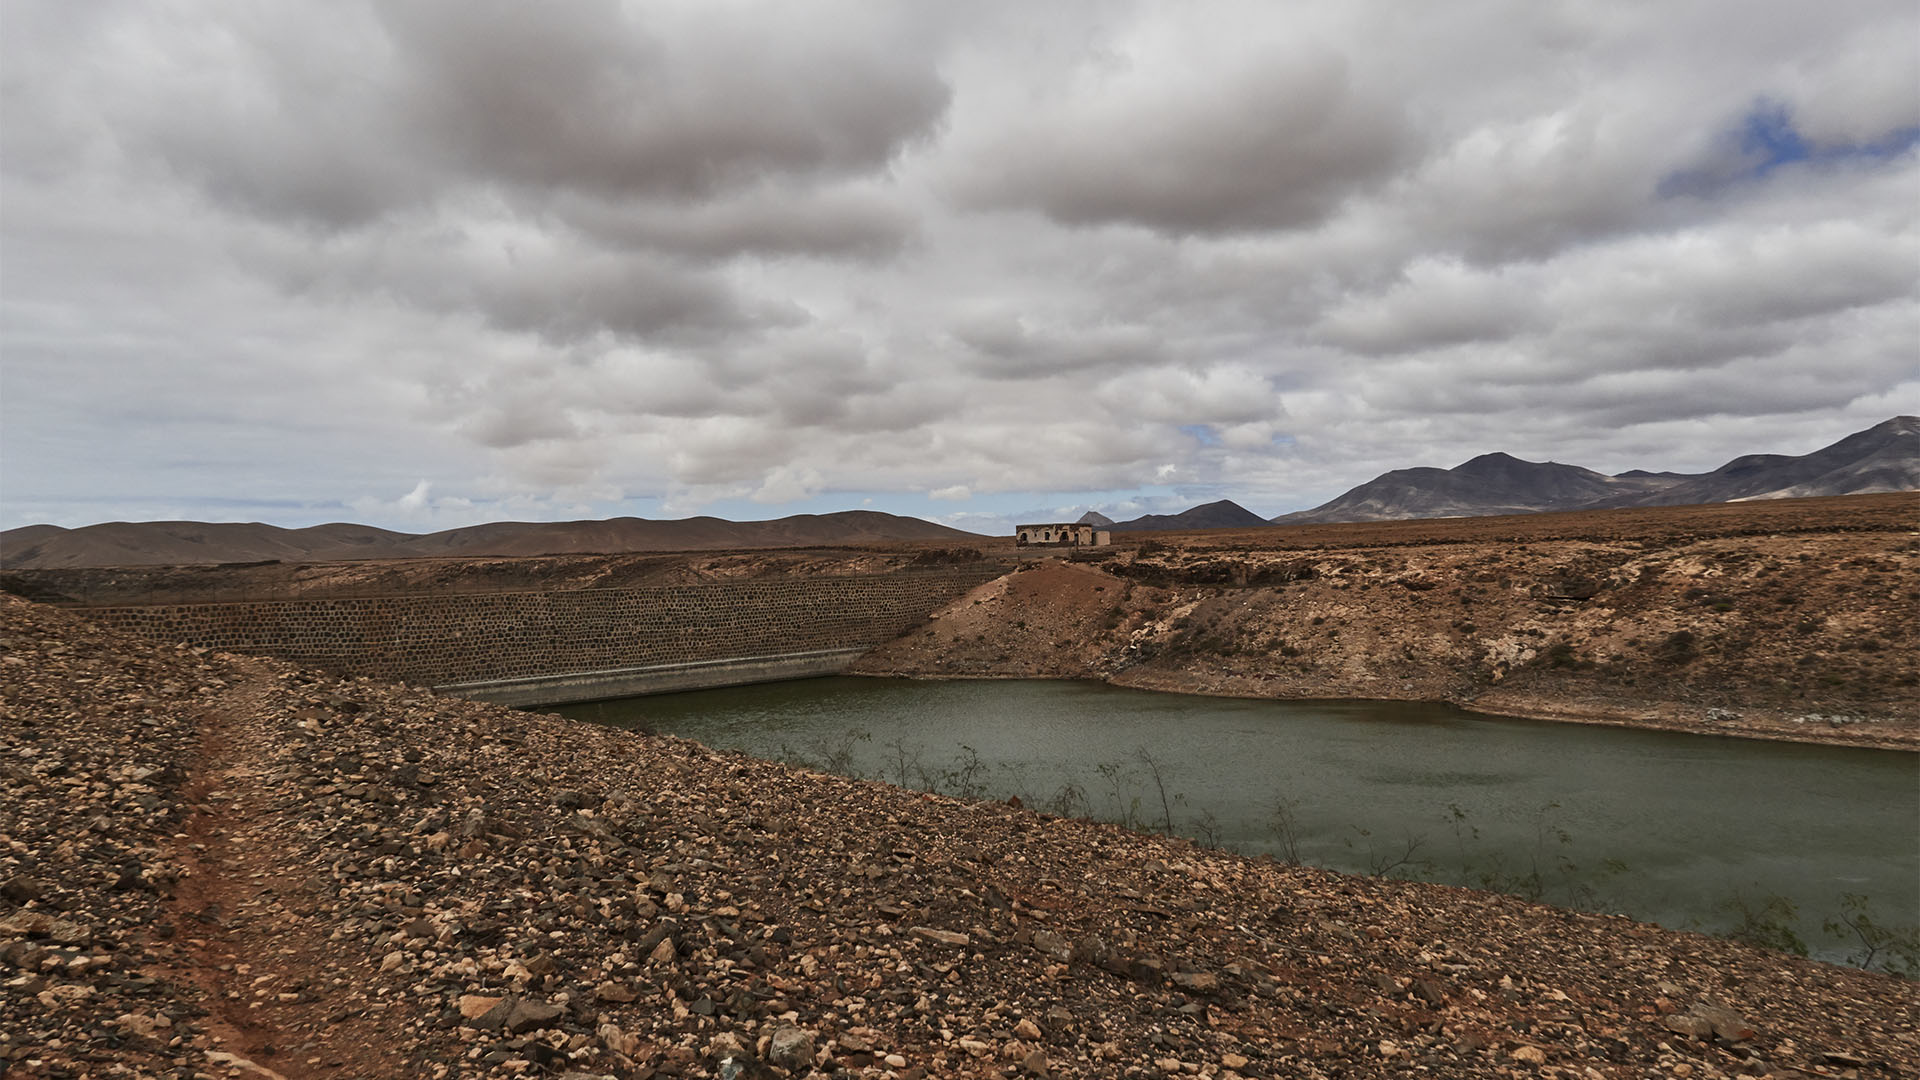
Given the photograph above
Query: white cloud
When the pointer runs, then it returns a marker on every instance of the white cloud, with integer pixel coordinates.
(415, 500)
(263, 260)
(788, 483)
(1194, 126)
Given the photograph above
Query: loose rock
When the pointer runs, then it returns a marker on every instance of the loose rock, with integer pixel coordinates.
(742, 905)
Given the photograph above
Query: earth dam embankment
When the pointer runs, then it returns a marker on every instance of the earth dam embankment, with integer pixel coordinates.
(554, 631)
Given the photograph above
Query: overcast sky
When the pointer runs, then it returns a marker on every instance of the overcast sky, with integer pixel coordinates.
(423, 264)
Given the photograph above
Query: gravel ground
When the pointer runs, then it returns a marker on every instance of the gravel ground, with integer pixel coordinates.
(222, 866)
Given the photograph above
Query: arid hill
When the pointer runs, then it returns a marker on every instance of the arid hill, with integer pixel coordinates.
(96, 586)
(1786, 619)
(1488, 484)
(1224, 514)
(175, 543)
(226, 867)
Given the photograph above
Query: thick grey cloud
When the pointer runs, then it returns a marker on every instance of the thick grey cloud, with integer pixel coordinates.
(679, 100)
(1005, 344)
(769, 221)
(432, 261)
(1273, 140)
(337, 114)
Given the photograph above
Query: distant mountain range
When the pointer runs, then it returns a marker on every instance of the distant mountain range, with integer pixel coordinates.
(177, 543)
(1885, 457)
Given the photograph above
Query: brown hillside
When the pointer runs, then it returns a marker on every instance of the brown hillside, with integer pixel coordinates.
(177, 543)
(1784, 620)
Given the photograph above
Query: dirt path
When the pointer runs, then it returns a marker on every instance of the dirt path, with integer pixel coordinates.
(272, 983)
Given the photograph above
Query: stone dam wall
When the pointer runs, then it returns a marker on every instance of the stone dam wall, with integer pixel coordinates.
(548, 647)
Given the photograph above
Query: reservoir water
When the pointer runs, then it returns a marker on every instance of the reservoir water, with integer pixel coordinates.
(1692, 832)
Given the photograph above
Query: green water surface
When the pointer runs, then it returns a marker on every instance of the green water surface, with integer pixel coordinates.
(1677, 829)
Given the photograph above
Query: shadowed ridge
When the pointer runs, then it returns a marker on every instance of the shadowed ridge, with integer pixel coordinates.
(1224, 514)
(1885, 457)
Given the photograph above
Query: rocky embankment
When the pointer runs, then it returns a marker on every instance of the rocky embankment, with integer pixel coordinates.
(274, 580)
(1803, 634)
(221, 866)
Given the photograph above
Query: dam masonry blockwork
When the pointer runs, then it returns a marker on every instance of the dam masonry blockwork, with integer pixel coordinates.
(549, 646)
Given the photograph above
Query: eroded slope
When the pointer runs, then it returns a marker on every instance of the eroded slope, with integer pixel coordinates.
(1795, 635)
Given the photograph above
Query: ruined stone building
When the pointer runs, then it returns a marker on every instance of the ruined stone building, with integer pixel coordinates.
(1061, 534)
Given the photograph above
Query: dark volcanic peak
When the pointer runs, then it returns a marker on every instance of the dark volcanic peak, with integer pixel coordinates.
(179, 543)
(1523, 481)
(1094, 517)
(1885, 457)
(1489, 484)
(1225, 514)
(1492, 464)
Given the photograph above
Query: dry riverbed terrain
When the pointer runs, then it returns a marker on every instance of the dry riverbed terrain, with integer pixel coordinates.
(1790, 620)
(224, 866)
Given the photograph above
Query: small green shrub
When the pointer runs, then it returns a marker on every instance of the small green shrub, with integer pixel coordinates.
(1768, 925)
(1897, 948)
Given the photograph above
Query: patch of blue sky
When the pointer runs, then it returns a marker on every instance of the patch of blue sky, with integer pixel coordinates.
(1204, 434)
(1767, 139)
(219, 502)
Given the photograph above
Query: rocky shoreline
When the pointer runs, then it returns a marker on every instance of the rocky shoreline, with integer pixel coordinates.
(1869, 732)
(1803, 636)
(225, 866)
